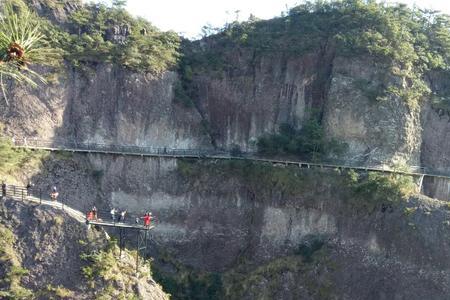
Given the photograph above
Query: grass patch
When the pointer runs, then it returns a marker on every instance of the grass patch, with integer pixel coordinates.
(15, 159)
(110, 277)
(55, 292)
(409, 211)
(63, 155)
(58, 220)
(10, 283)
(263, 281)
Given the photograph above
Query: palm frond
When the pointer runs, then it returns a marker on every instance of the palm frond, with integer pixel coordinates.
(22, 44)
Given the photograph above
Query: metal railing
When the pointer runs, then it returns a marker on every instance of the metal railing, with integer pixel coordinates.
(74, 146)
(123, 148)
(40, 197)
(22, 193)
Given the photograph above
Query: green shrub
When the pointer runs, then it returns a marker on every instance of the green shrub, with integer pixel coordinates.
(259, 177)
(309, 142)
(14, 159)
(88, 40)
(406, 43)
(187, 283)
(11, 264)
(309, 246)
(374, 189)
(181, 96)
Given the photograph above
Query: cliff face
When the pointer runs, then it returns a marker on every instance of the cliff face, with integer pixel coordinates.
(296, 236)
(257, 95)
(376, 131)
(45, 254)
(110, 105)
(115, 106)
(266, 239)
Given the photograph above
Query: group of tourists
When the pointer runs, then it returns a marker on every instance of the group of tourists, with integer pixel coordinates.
(119, 216)
(92, 214)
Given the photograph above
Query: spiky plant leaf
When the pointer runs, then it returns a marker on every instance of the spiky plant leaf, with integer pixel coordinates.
(21, 45)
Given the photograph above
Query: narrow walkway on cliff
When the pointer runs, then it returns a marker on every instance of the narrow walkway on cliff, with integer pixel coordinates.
(19, 193)
(142, 151)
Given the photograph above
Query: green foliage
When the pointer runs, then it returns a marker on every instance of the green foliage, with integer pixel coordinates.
(15, 159)
(187, 283)
(119, 3)
(374, 189)
(235, 150)
(441, 104)
(102, 264)
(101, 34)
(263, 282)
(408, 211)
(405, 42)
(104, 271)
(259, 177)
(363, 192)
(371, 90)
(191, 285)
(309, 142)
(181, 95)
(22, 43)
(10, 262)
(309, 246)
(55, 292)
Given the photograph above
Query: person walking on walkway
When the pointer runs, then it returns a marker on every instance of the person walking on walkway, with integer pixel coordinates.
(113, 214)
(3, 189)
(94, 212)
(29, 185)
(54, 194)
(122, 216)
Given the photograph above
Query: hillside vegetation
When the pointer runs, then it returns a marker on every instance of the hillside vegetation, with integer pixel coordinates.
(407, 42)
(96, 33)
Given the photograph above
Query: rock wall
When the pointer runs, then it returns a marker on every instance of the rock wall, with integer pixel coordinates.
(257, 96)
(109, 105)
(214, 221)
(50, 245)
(376, 131)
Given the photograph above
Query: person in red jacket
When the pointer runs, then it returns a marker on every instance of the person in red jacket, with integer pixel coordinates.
(90, 215)
(147, 219)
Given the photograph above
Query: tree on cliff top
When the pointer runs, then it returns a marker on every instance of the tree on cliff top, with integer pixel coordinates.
(407, 42)
(22, 44)
(119, 3)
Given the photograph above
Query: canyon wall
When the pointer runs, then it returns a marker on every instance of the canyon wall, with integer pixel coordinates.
(213, 217)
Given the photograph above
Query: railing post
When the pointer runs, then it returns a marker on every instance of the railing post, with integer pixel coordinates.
(14, 190)
(40, 196)
(22, 195)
